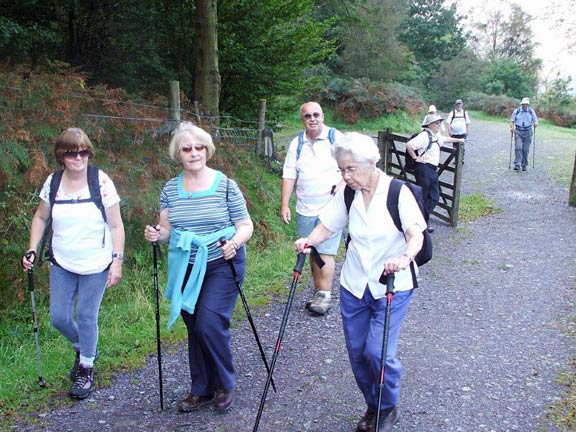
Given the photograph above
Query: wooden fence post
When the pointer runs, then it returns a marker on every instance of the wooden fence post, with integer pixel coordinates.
(260, 148)
(174, 101)
(572, 197)
(197, 112)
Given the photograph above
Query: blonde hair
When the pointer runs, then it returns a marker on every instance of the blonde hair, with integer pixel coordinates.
(199, 134)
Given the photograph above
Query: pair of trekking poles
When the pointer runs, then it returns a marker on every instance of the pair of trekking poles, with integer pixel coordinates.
(512, 145)
(222, 241)
(297, 271)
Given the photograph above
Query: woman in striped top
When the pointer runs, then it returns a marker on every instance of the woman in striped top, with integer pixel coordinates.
(197, 208)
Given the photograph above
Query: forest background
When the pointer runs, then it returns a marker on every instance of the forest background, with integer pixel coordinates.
(382, 61)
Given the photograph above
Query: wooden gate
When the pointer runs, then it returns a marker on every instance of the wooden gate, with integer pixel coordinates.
(393, 153)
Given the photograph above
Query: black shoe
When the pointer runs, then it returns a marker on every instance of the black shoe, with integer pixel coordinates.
(74, 371)
(387, 422)
(523, 168)
(516, 168)
(83, 384)
(430, 230)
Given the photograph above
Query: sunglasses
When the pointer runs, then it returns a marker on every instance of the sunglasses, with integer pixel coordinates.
(308, 116)
(69, 154)
(197, 147)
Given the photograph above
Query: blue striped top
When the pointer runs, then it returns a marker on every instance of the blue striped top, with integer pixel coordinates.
(204, 212)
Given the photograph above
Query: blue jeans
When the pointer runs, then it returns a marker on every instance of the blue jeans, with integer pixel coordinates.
(74, 305)
(363, 321)
(209, 352)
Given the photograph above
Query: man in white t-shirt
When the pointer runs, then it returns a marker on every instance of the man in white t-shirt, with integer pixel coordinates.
(458, 121)
(310, 167)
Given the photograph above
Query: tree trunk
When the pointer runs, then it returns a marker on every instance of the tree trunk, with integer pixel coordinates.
(207, 74)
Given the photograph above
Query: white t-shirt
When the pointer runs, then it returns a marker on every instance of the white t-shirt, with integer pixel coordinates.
(458, 120)
(374, 237)
(79, 229)
(421, 141)
(316, 172)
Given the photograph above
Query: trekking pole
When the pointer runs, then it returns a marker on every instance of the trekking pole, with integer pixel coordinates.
(389, 294)
(28, 255)
(248, 314)
(297, 271)
(158, 343)
(534, 148)
(511, 143)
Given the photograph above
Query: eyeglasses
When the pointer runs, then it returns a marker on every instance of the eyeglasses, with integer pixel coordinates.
(308, 116)
(349, 170)
(197, 147)
(69, 154)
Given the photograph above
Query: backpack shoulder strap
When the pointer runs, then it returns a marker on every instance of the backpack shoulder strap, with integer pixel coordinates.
(54, 186)
(300, 144)
(332, 135)
(94, 187)
(392, 202)
(453, 115)
(348, 197)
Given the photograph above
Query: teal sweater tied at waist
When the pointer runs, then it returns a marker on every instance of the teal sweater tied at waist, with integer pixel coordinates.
(179, 248)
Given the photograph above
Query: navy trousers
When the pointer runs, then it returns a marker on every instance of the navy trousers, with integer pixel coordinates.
(427, 178)
(209, 351)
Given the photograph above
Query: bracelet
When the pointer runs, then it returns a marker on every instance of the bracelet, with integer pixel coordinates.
(118, 255)
(410, 257)
(236, 247)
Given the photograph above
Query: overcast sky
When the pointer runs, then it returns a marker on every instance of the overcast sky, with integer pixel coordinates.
(552, 47)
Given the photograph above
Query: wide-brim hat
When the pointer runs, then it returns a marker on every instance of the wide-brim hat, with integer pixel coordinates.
(525, 101)
(431, 118)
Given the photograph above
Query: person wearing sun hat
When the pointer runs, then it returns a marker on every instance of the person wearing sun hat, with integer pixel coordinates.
(426, 154)
(522, 120)
(432, 110)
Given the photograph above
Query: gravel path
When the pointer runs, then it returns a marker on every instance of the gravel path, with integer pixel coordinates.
(482, 345)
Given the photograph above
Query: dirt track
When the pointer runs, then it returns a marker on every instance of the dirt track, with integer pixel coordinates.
(483, 343)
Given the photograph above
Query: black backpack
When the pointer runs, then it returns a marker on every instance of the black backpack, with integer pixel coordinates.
(409, 163)
(95, 197)
(425, 254)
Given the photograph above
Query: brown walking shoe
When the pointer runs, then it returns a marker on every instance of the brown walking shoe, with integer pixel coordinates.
(193, 402)
(224, 400)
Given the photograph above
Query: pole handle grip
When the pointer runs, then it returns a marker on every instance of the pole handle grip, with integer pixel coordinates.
(301, 259)
(390, 283)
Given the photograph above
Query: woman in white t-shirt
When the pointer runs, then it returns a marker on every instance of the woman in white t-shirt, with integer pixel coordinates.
(86, 250)
(376, 247)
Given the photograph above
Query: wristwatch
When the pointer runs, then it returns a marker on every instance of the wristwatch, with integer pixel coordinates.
(118, 255)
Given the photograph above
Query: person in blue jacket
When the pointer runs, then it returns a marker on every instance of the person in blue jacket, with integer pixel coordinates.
(522, 120)
(197, 208)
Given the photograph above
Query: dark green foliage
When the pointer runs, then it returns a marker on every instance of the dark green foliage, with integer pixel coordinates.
(506, 77)
(433, 34)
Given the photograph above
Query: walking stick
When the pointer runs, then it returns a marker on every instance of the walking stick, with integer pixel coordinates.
(511, 143)
(28, 255)
(248, 314)
(389, 294)
(158, 343)
(297, 271)
(534, 148)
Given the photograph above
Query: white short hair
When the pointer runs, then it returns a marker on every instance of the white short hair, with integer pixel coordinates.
(361, 147)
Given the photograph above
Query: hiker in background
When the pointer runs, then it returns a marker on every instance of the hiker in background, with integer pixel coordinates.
(522, 120)
(197, 208)
(376, 245)
(458, 121)
(86, 251)
(310, 166)
(432, 110)
(424, 148)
